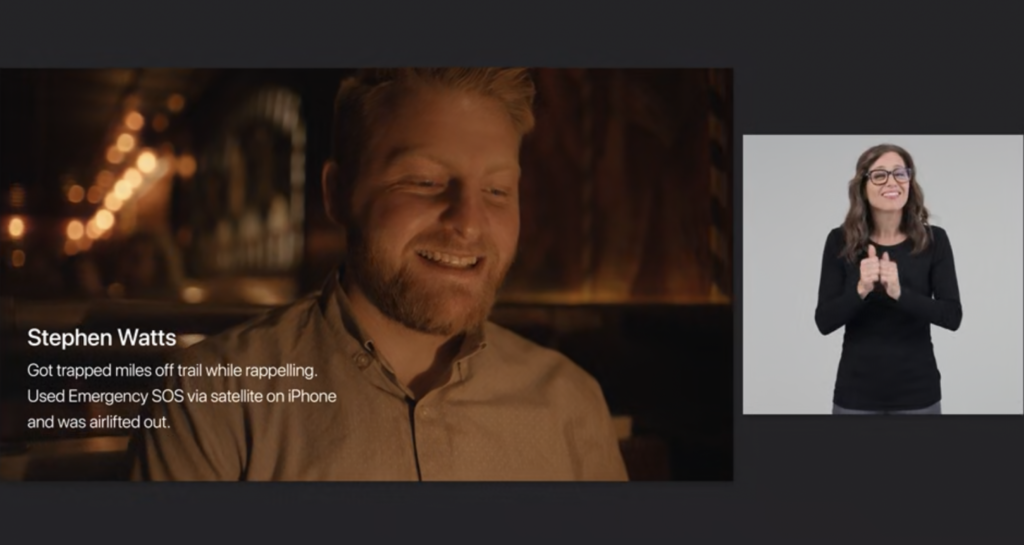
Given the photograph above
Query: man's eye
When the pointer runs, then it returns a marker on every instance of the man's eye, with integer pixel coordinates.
(497, 192)
(423, 183)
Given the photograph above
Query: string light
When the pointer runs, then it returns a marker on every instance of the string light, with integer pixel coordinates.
(186, 166)
(17, 196)
(133, 177)
(104, 220)
(123, 190)
(92, 230)
(105, 179)
(134, 121)
(114, 155)
(125, 143)
(17, 258)
(75, 230)
(146, 162)
(75, 194)
(112, 202)
(95, 194)
(176, 103)
(16, 227)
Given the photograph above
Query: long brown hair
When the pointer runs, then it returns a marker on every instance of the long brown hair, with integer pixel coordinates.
(859, 222)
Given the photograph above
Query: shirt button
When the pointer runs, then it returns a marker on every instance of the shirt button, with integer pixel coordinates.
(362, 360)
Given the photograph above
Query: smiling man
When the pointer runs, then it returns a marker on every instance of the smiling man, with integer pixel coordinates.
(424, 178)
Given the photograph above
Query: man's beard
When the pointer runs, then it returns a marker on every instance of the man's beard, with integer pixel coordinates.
(419, 303)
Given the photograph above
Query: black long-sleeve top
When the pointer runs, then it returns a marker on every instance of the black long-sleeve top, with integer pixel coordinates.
(888, 362)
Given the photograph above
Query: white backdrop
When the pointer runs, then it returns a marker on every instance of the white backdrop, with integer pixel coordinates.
(795, 192)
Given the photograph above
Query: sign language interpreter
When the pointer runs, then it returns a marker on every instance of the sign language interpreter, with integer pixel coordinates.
(887, 277)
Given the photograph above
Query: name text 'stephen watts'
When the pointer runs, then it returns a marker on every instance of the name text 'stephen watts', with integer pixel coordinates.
(76, 338)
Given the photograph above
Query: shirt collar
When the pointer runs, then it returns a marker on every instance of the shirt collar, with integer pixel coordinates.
(339, 311)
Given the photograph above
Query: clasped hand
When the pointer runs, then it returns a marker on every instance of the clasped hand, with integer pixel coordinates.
(875, 270)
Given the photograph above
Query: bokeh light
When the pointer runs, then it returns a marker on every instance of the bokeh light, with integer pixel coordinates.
(112, 202)
(133, 177)
(186, 166)
(114, 155)
(176, 103)
(75, 194)
(105, 179)
(134, 121)
(16, 227)
(95, 194)
(92, 230)
(123, 190)
(75, 230)
(125, 143)
(146, 162)
(104, 219)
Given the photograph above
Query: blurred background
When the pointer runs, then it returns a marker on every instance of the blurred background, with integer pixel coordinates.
(189, 201)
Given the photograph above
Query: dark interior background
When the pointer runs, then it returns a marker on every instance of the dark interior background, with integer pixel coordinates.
(624, 261)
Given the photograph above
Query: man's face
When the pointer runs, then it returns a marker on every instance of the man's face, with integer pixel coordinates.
(435, 209)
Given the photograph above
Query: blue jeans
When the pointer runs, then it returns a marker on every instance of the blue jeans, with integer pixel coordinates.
(934, 409)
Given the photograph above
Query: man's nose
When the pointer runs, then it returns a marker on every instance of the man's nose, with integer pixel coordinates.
(465, 213)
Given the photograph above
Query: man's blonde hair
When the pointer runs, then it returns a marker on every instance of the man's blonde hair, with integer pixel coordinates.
(370, 92)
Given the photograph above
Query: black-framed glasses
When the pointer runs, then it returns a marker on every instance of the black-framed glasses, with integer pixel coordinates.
(879, 176)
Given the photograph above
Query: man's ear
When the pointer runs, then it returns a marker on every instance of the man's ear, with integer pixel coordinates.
(334, 188)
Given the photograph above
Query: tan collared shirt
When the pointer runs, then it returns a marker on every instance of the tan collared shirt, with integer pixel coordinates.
(511, 410)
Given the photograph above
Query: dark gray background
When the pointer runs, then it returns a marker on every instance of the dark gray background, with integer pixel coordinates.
(801, 68)
(795, 192)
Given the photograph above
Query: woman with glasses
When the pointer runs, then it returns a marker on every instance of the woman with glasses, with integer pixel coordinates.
(887, 276)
